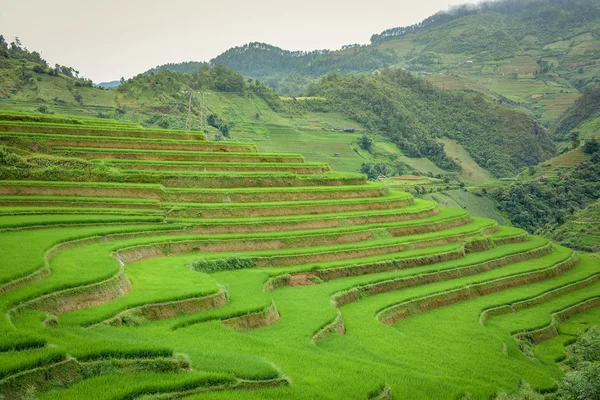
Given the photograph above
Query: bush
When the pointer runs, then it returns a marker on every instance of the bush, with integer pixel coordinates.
(582, 384)
(365, 143)
(8, 159)
(591, 146)
(587, 348)
(221, 264)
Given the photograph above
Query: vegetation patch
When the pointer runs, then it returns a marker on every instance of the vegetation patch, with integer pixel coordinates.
(221, 264)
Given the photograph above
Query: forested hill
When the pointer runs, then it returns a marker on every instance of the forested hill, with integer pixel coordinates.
(536, 53)
(549, 20)
(21, 68)
(413, 114)
(410, 112)
(290, 72)
(583, 117)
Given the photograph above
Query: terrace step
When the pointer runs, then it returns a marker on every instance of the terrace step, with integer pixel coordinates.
(15, 211)
(77, 202)
(411, 264)
(549, 295)
(187, 179)
(324, 254)
(138, 165)
(157, 192)
(535, 315)
(396, 200)
(313, 239)
(72, 372)
(398, 312)
(470, 265)
(214, 180)
(550, 331)
(94, 153)
(230, 225)
(52, 141)
(98, 130)
(477, 262)
(78, 297)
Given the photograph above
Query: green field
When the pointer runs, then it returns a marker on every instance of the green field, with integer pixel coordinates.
(263, 282)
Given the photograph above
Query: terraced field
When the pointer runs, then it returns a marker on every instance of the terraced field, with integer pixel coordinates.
(219, 272)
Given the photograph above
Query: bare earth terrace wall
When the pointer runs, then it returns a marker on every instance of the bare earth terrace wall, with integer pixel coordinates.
(180, 156)
(402, 311)
(161, 249)
(532, 302)
(537, 336)
(277, 210)
(159, 311)
(90, 131)
(79, 297)
(253, 321)
(189, 195)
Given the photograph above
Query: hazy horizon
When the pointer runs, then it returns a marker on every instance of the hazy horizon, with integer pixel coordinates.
(139, 35)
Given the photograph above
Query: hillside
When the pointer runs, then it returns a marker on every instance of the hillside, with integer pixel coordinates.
(405, 118)
(583, 117)
(535, 53)
(149, 263)
(413, 113)
(581, 231)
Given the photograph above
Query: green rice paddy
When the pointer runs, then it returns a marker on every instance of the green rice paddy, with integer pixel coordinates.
(98, 300)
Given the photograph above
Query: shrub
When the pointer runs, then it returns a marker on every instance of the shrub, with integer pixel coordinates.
(582, 384)
(9, 159)
(587, 348)
(221, 264)
(365, 143)
(591, 146)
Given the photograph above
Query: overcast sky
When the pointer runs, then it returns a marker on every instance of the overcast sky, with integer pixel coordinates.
(108, 39)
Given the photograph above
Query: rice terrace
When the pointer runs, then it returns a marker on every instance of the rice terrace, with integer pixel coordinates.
(413, 218)
(235, 283)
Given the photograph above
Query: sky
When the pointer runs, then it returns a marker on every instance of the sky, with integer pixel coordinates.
(109, 39)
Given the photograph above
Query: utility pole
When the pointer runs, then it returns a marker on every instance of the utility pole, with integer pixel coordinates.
(203, 111)
(187, 126)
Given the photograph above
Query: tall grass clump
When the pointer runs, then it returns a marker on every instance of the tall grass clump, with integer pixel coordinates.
(221, 264)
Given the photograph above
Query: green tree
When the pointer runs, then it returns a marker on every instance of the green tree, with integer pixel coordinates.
(575, 141)
(591, 146)
(365, 143)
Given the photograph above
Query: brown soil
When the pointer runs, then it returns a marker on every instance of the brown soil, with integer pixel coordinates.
(302, 279)
(355, 294)
(80, 297)
(550, 331)
(269, 196)
(399, 312)
(63, 373)
(336, 326)
(87, 131)
(337, 273)
(140, 145)
(154, 312)
(216, 157)
(81, 204)
(253, 321)
(286, 210)
(224, 168)
(80, 191)
(277, 261)
(34, 277)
